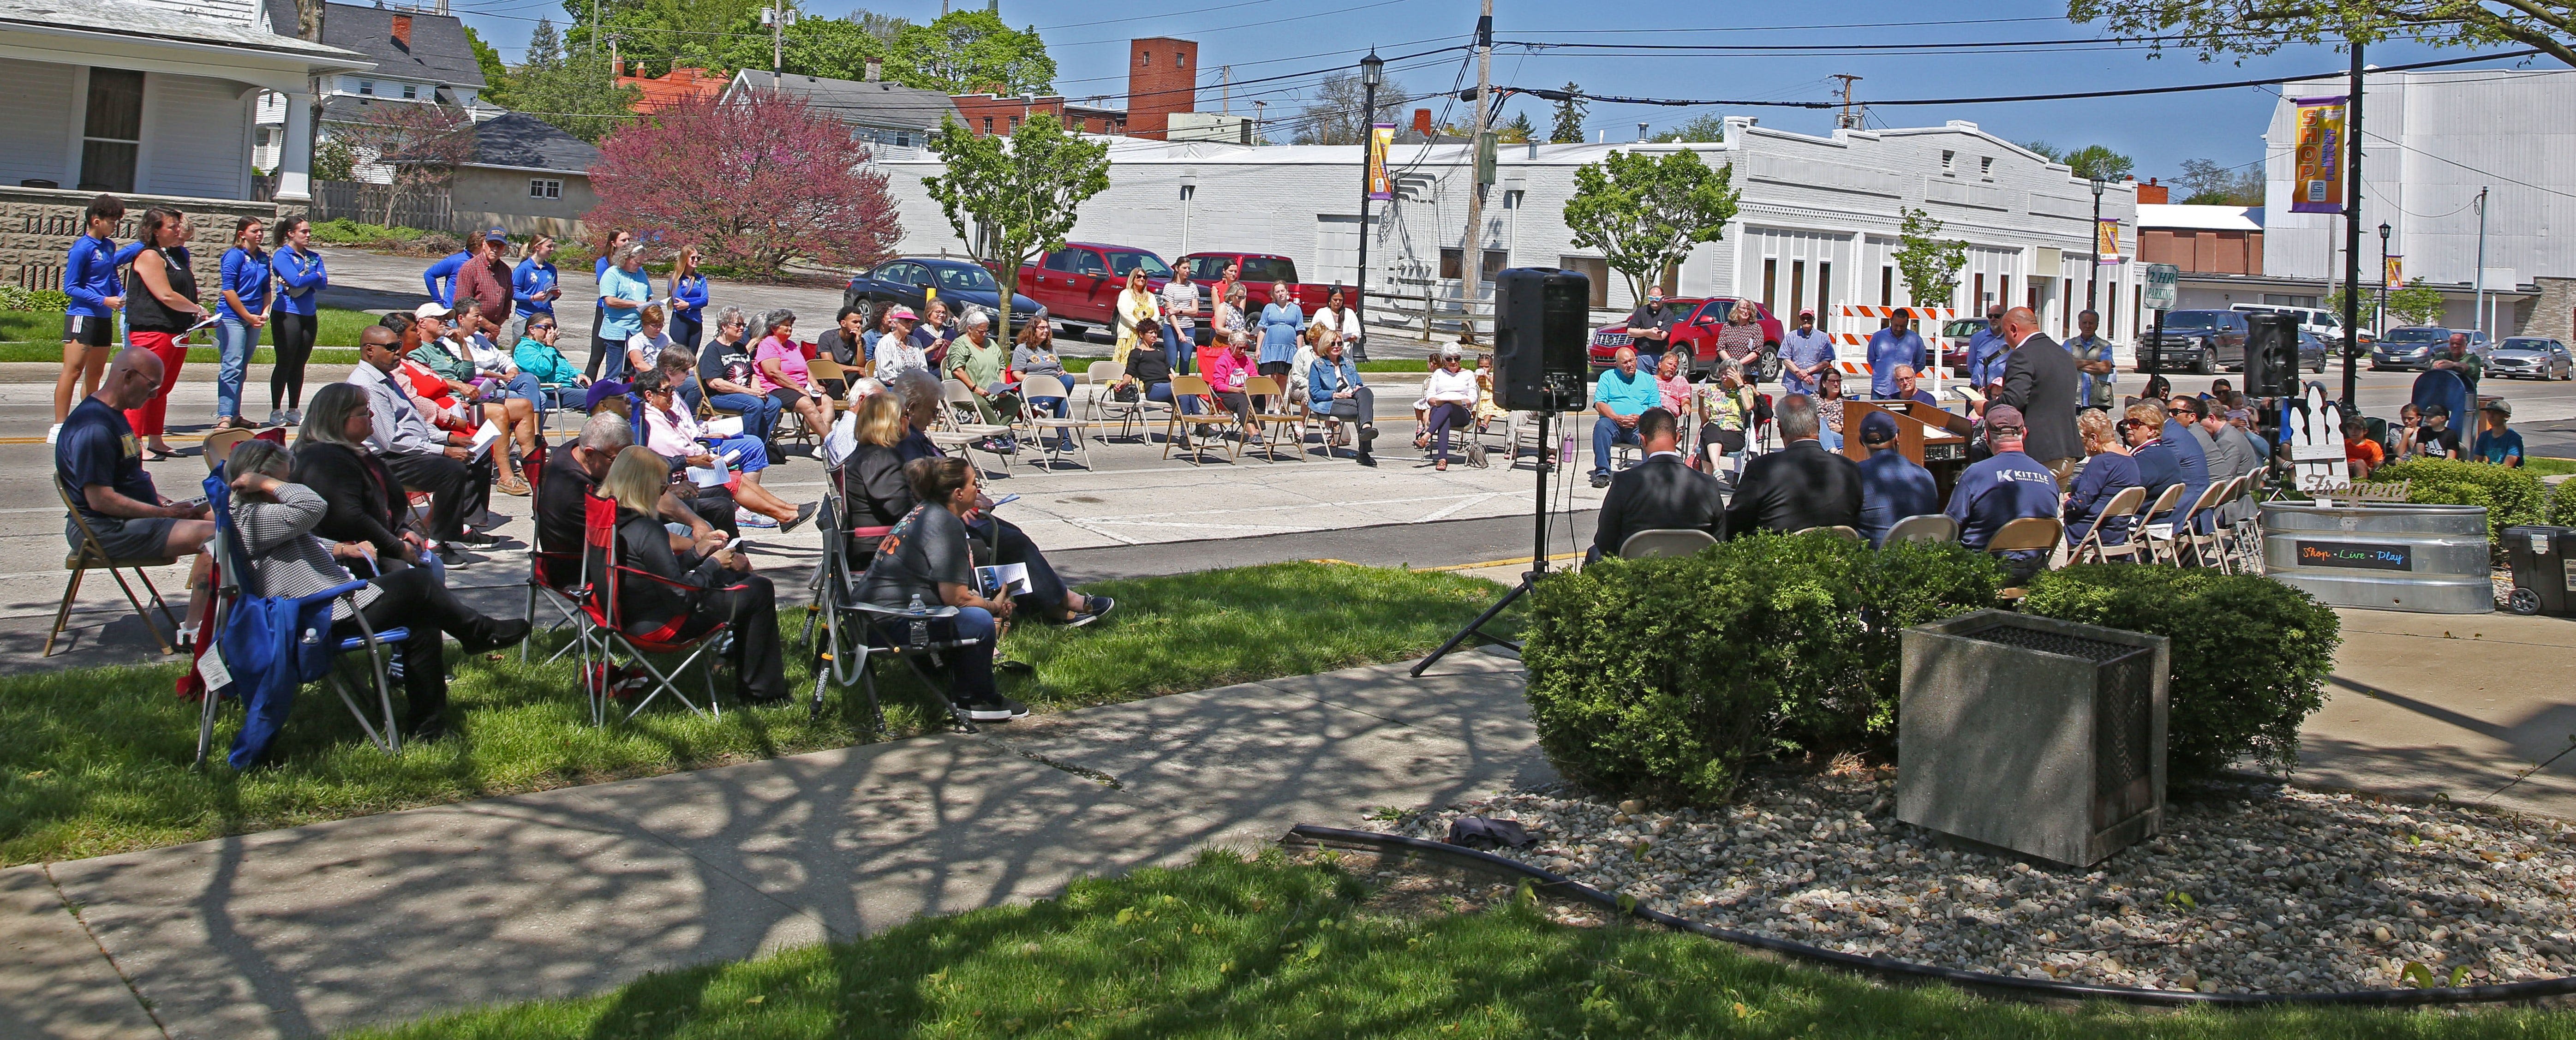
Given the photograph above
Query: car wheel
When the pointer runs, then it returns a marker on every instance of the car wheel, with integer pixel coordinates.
(2206, 365)
(867, 309)
(1768, 365)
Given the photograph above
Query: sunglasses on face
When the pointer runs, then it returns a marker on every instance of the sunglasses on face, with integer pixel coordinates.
(541, 328)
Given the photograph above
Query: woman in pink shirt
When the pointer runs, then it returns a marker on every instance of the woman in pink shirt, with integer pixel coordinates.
(778, 371)
(1676, 390)
(1226, 374)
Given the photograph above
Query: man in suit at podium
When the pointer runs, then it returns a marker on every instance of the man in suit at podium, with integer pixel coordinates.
(2040, 381)
(1660, 493)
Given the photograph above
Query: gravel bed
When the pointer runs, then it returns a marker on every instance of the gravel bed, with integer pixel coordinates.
(2252, 887)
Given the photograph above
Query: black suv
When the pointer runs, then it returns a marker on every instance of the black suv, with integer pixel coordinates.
(2199, 340)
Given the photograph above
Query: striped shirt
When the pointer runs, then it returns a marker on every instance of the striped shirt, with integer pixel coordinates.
(290, 561)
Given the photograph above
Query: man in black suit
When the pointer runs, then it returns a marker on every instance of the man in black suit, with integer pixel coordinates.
(1797, 487)
(1661, 493)
(2040, 379)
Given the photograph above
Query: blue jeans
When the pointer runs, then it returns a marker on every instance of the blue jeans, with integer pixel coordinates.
(759, 413)
(691, 393)
(1606, 432)
(525, 387)
(1163, 392)
(972, 666)
(234, 344)
(749, 455)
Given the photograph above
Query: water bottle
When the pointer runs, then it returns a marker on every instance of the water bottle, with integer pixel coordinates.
(919, 638)
(1565, 450)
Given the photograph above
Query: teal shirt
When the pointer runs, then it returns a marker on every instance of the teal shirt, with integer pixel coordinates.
(1627, 395)
(623, 322)
(546, 363)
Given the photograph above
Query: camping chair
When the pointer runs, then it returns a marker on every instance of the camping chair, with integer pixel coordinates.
(1040, 385)
(234, 579)
(2150, 536)
(1664, 543)
(854, 633)
(219, 446)
(2030, 533)
(603, 577)
(1281, 419)
(553, 574)
(1174, 429)
(90, 557)
(1932, 528)
(2123, 504)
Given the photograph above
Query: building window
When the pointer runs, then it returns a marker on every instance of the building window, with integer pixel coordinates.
(1596, 270)
(1011, 125)
(1180, 61)
(1824, 293)
(1144, 58)
(112, 130)
(367, 87)
(1453, 262)
(1887, 287)
(1770, 283)
(411, 92)
(1797, 286)
(1986, 167)
(1496, 261)
(1189, 191)
(1949, 160)
(545, 188)
(988, 126)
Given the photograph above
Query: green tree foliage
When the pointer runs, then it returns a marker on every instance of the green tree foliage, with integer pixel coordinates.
(576, 96)
(1568, 127)
(1013, 198)
(2216, 29)
(334, 160)
(656, 33)
(1519, 131)
(970, 52)
(2090, 161)
(496, 76)
(2205, 183)
(2416, 304)
(1644, 213)
(1708, 128)
(833, 48)
(1929, 263)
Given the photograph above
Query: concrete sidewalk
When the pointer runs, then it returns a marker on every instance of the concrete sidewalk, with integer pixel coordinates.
(387, 918)
(2422, 705)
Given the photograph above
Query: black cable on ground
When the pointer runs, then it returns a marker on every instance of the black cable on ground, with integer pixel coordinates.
(1888, 969)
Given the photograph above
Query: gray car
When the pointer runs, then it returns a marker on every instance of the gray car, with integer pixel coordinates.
(2531, 357)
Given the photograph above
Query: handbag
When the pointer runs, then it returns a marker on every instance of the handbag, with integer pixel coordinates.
(1126, 393)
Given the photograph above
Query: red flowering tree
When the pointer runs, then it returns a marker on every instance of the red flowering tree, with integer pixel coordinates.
(753, 182)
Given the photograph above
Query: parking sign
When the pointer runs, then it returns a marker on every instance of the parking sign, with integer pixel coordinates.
(2164, 284)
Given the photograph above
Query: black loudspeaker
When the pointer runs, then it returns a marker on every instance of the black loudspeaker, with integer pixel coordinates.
(2271, 355)
(1542, 329)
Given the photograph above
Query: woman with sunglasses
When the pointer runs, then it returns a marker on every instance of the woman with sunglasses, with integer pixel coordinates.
(535, 354)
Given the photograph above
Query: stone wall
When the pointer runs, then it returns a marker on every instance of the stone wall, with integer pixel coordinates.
(2554, 314)
(37, 226)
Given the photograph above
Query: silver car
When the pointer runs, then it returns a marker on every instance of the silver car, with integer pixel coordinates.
(2531, 357)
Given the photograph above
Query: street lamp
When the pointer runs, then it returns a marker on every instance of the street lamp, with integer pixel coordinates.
(2092, 283)
(2380, 318)
(1372, 73)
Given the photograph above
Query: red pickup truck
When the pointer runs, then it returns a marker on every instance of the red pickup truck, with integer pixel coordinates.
(1079, 284)
(1259, 270)
(1696, 323)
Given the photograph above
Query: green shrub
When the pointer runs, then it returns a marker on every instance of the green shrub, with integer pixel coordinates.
(2562, 504)
(2249, 655)
(347, 232)
(18, 298)
(2511, 496)
(1667, 678)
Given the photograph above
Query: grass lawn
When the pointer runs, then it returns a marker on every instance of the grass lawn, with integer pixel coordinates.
(1230, 948)
(96, 761)
(2548, 467)
(37, 336)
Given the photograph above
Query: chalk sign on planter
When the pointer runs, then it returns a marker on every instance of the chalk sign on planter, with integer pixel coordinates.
(2355, 554)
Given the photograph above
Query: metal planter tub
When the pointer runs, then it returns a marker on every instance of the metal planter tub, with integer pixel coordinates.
(2427, 559)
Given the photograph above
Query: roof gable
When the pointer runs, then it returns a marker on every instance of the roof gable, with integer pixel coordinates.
(438, 53)
(878, 103)
(523, 141)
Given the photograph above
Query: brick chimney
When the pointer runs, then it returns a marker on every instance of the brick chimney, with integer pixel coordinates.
(2153, 194)
(402, 31)
(876, 69)
(1422, 122)
(1162, 78)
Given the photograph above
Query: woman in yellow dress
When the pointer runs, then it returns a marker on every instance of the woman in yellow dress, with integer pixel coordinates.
(1135, 303)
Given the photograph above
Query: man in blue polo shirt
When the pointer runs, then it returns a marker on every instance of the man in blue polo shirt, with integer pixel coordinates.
(97, 460)
(2002, 488)
(1987, 349)
(1618, 398)
(1889, 347)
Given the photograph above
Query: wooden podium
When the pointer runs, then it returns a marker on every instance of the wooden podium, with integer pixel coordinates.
(1934, 439)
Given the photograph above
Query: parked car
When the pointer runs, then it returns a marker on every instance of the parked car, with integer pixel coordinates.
(1259, 270)
(1696, 325)
(1955, 334)
(2313, 350)
(1079, 284)
(2531, 357)
(2414, 346)
(906, 281)
(2197, 340)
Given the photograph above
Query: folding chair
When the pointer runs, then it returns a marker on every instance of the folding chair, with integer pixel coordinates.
(2246, 534)
(1664, 543)
(2030, 533)
(603, 578)
(2211, 547)
(826, 370)
(1173, 430)
(1098, 405)
(1521, 433)
(853, 633)
(2148, 536)
(1842, 531)
(1077, 429)
(963, 433)
(552, 572)
(1274, 423)
(1934, 528)
(219, 446)
(2123, 505)
(234, 580)
(2190, 534)
(91, 557)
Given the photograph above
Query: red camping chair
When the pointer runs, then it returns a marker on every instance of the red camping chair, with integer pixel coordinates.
(553, 571)
(603, 577)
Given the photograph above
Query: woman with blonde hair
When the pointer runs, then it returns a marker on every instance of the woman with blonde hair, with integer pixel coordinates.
(2108, 470)
(701, 583)
(688, 299)
(1740, 340)
(1136, 303)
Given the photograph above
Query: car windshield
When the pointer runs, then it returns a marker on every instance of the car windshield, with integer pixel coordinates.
(965, 279)
(2417, 335)
(1963, 328)
(2191, 320)
(2519, 343)
(1267, 269)
(1125, 262)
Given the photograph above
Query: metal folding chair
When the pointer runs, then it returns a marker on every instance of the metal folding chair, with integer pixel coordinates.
(1174, 430)
(2149, 537)
(607, 638)
(2122, 506)
(1283, 421)
(2028, 534)
(1079, 430)
(1934, 528)
(1842, 531)
(1664, 543)
(91, 557)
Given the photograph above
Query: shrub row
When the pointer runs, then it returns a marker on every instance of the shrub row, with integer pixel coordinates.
(1670, 679)
(2562, 505)
(2512, 496)
(20, 298)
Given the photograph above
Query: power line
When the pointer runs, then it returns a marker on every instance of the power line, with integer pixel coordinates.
(1921, 45)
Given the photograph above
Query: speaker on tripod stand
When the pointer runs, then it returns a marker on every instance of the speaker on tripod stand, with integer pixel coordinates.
(1542, 318)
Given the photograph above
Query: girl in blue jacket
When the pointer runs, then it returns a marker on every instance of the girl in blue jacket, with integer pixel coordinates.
(300, 281)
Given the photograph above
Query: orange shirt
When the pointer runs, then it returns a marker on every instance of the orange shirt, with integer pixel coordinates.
(2364, 455)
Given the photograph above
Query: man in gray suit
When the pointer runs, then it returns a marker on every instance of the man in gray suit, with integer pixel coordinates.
(2040, 379)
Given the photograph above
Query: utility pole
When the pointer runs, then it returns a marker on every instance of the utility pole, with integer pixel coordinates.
(778, 18)
(1225, 89)
(593, 42)
(2480, 313)
(1256, 120)
(1471, 258)
(1845, 120)
(2352, 242)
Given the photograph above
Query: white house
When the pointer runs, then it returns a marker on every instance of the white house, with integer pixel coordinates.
(417, 56)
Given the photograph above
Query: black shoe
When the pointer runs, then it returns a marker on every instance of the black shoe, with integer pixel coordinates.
(427, 731)
(503, 633)
(1600, 480)
(803, 513)
(1093, 609)
(993, 708)
(759, 700)
(455, 555)
(1368, 436)
(474, 538)
(1368, 460)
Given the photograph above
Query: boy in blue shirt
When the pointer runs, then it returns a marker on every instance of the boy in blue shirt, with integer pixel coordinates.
(2496, 445)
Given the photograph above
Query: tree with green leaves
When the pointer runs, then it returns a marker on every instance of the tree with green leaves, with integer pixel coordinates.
(496, 76)
(973, 52)
(575, 96)
(1644, 213)
(2236, 29)
(833, 48)
(2206, 183)
(1568, 128)
(1928, 263)
(1014, 198)
(1708, 129)
(1519, 131)
(2090, 162)
(2416, 304)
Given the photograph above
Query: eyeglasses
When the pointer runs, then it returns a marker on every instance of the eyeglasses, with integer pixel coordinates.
(541, 328)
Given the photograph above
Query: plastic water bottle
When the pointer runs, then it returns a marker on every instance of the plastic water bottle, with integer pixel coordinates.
(1565, 450)
(919, 637)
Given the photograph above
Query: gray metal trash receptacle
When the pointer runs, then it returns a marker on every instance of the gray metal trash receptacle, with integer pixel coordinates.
(2040, 736)
(2430, 559)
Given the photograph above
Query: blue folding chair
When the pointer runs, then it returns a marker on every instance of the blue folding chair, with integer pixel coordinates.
(235, 581)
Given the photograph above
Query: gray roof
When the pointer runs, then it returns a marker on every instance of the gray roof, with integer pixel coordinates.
(438, 51)
(129, 19)
(523, 141)
(880, 103)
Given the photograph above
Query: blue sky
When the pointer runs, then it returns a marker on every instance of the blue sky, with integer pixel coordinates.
(1273, 38)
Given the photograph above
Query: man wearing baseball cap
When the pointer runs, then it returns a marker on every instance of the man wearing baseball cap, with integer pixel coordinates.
(2497, 445)
(1804, 352)
(1892, 487)
(2002, 488)
(486, 277)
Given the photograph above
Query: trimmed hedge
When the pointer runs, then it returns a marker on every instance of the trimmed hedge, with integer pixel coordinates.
(2249, 655)
(1668, 678)
(2513, 496)
(2562, 504)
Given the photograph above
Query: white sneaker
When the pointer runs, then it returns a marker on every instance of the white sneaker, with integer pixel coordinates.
(747, 518)
(276, 418)
(56, 430)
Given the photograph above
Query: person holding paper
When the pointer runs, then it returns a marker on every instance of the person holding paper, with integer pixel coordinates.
(162, 308)
(733, 463)
(440, 351)
(703, 584)
(458, 479)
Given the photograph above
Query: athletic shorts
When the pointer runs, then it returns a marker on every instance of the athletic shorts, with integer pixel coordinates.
(124, 538)
(88, 331)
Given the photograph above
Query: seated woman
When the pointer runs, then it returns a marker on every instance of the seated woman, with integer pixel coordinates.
(2108, 470)
(1152, 370)
(365, 501)
(879, 495)
(672, 433)
(929, 561)
(536, 356)
(1451, 394)
(779, 371)
(276, 519)
(700, 582)
(1034, 355)
(1227, 374)
(644, 348)
(1829, 409)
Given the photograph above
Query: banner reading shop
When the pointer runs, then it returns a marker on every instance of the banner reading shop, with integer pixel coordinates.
(2106, 240)
(2316, 185)
(1379, 187)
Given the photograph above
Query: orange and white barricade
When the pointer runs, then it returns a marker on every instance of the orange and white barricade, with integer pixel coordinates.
(1856, 322)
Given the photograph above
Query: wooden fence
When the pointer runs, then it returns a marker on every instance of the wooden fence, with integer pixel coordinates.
(427, 209)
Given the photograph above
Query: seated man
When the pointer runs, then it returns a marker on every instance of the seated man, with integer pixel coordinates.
(2498, 445)
(1661, 493)
(1892, 487)
(1335, 392)
(1909, 387)
(1618, 398)
(458, 478)
(97, 458)
(1797, 487)
(574, 471)
(2002, 488)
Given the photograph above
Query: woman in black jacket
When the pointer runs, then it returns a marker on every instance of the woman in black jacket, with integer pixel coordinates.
(700, 583)
(366, 501)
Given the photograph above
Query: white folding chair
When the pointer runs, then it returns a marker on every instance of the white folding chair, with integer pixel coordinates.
(1077, 429)
(1664, 543)
(2156, 537)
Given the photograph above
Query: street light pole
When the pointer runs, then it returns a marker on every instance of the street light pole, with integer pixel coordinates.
(1372, 73)
(2352, 242)
(2379, 316)
(1471, 258)
(2094, 279)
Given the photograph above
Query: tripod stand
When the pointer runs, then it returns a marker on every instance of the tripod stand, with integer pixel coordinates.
(1547, 463)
